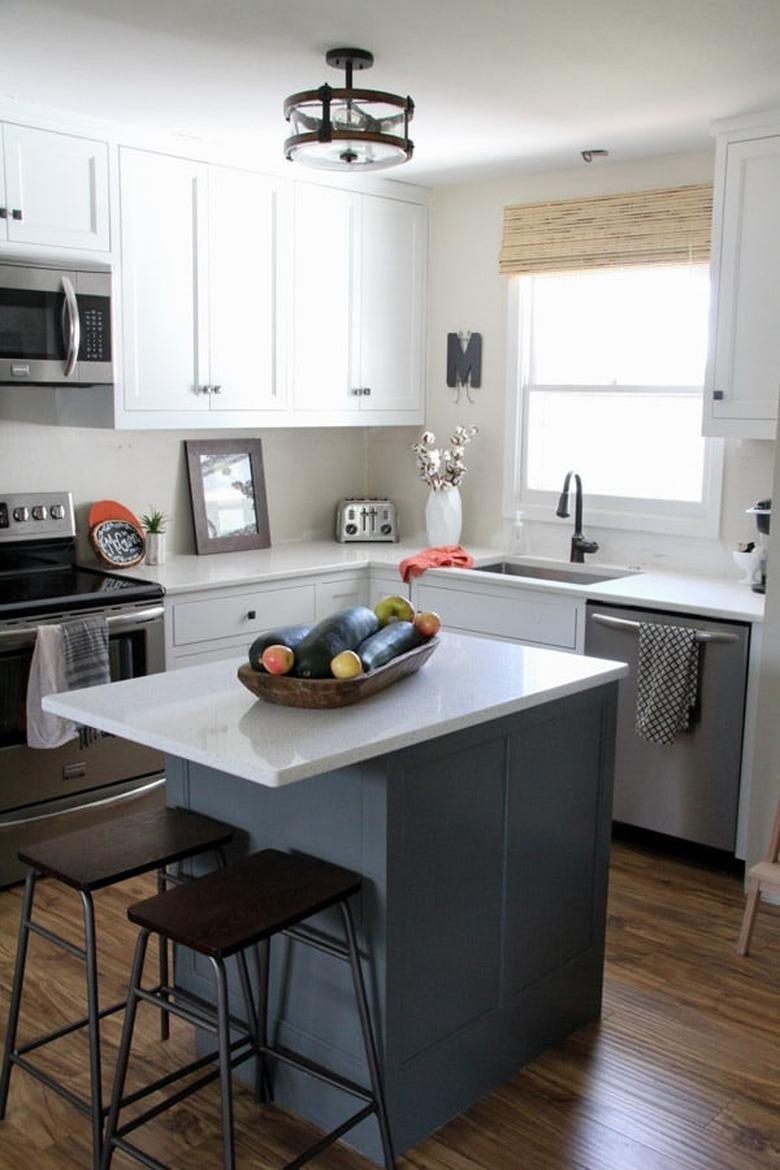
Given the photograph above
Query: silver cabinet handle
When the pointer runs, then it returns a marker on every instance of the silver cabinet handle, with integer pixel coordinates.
(71, 307)
(616, 623)
(201, 389)
(216, 390)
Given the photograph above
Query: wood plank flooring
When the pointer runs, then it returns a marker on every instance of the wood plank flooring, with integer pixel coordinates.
(682, 1072)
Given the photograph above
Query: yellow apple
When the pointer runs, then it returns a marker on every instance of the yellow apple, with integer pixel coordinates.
(346, 665)
(394, 609)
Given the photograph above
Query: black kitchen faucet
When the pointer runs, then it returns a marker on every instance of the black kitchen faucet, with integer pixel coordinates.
(579, 545)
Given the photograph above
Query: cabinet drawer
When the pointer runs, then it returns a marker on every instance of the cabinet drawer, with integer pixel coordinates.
(523, 616)
(229, 617)
(340, 593)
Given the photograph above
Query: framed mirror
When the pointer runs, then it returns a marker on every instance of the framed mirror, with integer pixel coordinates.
(227, 489)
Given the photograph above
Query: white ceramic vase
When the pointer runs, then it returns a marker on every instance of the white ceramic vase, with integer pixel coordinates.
(155, 548)
(443, 518)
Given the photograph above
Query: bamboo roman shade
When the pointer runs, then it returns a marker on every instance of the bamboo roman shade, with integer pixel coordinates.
(667, 226)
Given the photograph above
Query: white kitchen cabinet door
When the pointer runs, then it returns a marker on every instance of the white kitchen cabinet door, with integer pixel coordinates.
(743, 383)
(164, 282)
(392, 306)
(248, 264)
(56, 188)
(326, 297)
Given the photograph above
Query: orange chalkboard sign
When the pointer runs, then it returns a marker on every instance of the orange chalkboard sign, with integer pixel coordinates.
(111, 510)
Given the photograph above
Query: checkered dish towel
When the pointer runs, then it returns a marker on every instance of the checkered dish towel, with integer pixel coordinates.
(667, 681)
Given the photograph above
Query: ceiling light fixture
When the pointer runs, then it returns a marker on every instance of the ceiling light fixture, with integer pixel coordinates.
(349, 129)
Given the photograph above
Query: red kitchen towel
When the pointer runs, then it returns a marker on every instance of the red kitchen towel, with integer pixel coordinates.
(452, 556)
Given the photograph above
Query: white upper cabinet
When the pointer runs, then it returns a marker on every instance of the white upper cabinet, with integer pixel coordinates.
(392, 307)
(248, 280)
(55, 191)
(165, 342)
(358, 306)
(743, 378)
(202, 320)
(324, 358)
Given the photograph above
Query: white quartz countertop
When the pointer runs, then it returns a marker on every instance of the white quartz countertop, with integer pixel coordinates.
(204, 714)
(681, 592)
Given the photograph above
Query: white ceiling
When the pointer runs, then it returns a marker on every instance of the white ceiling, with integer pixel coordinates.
(498, 84)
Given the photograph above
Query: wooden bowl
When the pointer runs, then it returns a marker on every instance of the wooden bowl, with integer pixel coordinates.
(333, 692)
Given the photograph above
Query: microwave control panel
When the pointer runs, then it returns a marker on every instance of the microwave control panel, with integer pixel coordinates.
(95, 329)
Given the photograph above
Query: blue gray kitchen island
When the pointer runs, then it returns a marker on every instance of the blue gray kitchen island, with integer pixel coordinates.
(475, 799)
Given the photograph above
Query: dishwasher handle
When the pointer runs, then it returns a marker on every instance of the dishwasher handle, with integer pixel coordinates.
(616, 623)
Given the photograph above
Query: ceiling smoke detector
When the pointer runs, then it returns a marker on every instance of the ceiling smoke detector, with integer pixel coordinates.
(348, 129)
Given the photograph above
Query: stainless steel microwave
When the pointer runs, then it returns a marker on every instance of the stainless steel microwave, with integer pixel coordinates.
(55, 326)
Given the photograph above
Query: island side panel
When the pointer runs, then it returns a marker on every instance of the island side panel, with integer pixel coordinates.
(485, 856)
(498, 861)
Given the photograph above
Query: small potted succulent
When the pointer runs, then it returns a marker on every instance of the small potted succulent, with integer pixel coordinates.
(154, 522)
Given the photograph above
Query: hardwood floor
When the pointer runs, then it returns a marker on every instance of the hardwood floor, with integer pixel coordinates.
(682, 1072)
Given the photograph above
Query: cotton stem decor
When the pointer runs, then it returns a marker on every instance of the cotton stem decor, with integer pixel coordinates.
(443, 469)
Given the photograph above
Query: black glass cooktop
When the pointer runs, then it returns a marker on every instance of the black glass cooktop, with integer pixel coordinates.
(54, 590)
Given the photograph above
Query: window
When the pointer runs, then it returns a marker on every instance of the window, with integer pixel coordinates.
(608, 381)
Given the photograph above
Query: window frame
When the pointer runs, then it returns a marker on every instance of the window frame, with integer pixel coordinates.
(670, 517)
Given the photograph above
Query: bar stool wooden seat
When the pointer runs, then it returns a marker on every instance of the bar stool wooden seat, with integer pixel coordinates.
(87, 860)
(222, 915)
(765, 875)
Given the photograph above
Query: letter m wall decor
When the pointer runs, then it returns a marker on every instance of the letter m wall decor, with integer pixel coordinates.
(464, 361)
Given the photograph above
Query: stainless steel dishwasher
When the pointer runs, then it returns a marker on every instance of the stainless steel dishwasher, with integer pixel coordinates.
(688, 789)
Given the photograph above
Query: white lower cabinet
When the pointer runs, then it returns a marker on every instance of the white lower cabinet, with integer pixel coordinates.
(508, 612)
(341, 592)
(222, 623)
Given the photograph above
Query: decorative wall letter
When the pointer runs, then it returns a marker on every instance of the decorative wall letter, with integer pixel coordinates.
(464, 362)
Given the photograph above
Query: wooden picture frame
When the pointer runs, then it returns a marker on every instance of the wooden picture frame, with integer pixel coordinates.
(236, 518)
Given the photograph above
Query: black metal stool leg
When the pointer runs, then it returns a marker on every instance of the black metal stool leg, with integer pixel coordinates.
(162, 943)
(263, 1086)
(124, 1049)
(93, 1013)
(226, 1090)
(16, 994)
(372, 1056)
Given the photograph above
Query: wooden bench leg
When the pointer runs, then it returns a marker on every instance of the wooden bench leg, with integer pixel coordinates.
(749, 918)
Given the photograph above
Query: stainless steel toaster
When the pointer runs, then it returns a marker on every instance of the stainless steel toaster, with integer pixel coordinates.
(366, 519)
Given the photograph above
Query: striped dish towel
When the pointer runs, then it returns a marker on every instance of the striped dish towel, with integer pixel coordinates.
(85, 652)
(667, 681)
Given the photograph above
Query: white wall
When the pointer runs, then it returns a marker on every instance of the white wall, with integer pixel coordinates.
(467, 293)
(306, 471)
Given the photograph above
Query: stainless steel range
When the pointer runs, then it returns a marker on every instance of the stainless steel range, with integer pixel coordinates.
(40, 583)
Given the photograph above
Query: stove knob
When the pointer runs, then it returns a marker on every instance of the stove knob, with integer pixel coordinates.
(21, 514)
(386, 529)
(57, 512)
(351, 529)
(40, 512)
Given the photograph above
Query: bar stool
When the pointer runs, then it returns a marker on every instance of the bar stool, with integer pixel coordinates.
(219, 916)
(87, 860)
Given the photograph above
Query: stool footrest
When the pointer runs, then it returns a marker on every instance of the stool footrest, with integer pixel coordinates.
(184, 1093)
(329, 1138)
(66, 1029)
(50, 1083)
(57, 940)
(316, 1070)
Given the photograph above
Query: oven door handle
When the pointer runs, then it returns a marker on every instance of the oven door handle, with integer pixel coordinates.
(119, 621)
(617, 623)
(71, 307)
(89, 805)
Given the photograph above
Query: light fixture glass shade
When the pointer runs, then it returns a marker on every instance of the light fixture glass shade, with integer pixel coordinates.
(343, 129)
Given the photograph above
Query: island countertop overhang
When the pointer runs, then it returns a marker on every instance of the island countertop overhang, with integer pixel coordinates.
(205, 715)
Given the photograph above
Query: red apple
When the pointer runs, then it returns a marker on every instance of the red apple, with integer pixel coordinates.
(278, 659)
(428, 624)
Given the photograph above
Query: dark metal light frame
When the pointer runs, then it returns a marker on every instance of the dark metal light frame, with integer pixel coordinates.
(322, 129)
